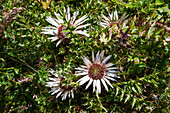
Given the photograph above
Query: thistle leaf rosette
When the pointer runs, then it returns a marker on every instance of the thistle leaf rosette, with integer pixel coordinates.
(97, 72)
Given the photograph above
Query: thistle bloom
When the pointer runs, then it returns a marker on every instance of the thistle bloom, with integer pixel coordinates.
(117, 25)
(113, 20)
(58, 25)
(56, 86)
(97, 71)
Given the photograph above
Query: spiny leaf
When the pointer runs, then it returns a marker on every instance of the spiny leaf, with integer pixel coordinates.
(121, 96)
(127, 98)
(155, 83)
(117, 91)
(16, 71)
(133, 102)
(139, 89)
(133, 88)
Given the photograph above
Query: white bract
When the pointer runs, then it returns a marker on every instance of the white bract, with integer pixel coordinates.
(97, 72)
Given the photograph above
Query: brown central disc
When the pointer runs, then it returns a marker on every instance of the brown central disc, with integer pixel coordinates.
(67, 87)
(60, 31)
(96, 71)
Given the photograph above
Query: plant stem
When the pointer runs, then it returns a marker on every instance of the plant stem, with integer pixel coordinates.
(98, 98)
(69, 109)
(22, 62)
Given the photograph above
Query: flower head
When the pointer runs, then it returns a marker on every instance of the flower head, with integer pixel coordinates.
(113, 20)
(57, 30)
(57, 88)
(116, 26)
(97, 72)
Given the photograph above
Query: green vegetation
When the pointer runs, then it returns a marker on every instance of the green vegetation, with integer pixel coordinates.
(140, 50)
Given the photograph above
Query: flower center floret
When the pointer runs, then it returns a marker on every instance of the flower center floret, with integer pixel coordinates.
(96, 71)
(61, 34)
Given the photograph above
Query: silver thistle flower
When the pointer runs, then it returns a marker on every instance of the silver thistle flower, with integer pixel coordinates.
(97, 71)
(57, 29)
(56, 86)
(113, 20)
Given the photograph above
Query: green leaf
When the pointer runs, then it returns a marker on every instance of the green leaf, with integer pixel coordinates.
(155, 83)
(68, 36)
(159, 2)
(117, 91)
(139, 107)
(168, 70)
(121, 96)
(2, 59)
(16, 71)
(136, 60)
(133, 102)
(133, 88)
(151, 31)
(139, 89)
(127, 98)
(130, 5)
